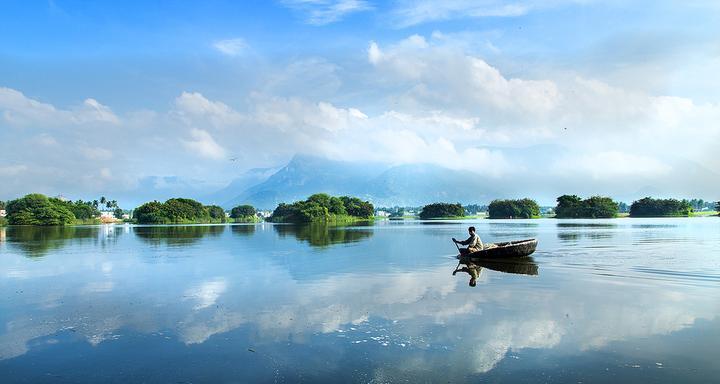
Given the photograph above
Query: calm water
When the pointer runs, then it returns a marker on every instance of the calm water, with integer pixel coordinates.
(621, 300)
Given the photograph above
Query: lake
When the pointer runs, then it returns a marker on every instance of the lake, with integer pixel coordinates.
(623, 300)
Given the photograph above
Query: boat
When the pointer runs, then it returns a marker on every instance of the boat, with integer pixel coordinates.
(508, 249)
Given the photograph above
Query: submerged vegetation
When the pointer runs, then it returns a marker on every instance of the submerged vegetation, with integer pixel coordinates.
(178, 211)
(573, 207)
(649, 207)
(513, 209)
(323, 207)
(442, 210)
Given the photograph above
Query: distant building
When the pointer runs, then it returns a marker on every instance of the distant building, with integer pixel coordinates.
(382, 213)
(3, 213)
(107, 214)
(61, 198)
(126, 216)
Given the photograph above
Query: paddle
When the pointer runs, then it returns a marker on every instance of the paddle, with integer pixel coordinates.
(456, 246)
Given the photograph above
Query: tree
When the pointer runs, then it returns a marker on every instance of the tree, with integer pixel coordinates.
(2, 204)
(649, 207)
(243, 212)
(717, 207)
(37, 209)
(118, 213)
(216, 213)
(571, 206)
(322, 207)
(438, 210)
(151, 213)
(513, 209)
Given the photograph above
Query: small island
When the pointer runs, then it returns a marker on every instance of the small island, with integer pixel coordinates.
(442, 211)
(596, 207)
(38, 209)
(649, 207)
(322, 207)
(513, 209)
(179, 211)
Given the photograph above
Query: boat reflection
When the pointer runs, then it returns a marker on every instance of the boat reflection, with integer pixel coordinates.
(518, 266)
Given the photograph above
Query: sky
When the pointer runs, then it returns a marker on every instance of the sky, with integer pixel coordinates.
(120, 97)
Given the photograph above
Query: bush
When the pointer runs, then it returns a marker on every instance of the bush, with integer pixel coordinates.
(322, 207)
(572, 207)
(649, 207)
(37, 209)
(438, 210)
(513, 209)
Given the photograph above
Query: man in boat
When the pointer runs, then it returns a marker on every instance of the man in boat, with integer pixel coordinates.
(473, 242)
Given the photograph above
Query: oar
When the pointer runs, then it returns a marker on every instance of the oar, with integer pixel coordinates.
(457, 246)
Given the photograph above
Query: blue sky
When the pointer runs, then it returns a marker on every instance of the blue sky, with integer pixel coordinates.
(133, 90)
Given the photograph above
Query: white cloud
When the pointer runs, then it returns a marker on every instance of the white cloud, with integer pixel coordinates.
(322, 12)
(18, 109)
(231, 47)
(409, 13)
(194, 107)
(203, 144)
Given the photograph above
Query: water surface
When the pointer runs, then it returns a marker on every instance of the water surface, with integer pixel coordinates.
(600, 301)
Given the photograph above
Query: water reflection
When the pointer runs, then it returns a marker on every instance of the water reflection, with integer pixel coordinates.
(518, 266)
(243, 229)
(35, 241)
(176, 235)
(501, 230)
(323, 235)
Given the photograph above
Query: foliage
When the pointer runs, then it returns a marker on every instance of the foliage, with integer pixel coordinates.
(178, 211)
(437, 210)
(243, 212)
(572, 207)
(37, 209)
(118, 213)
(323, 207)
(216, 213)
(513, 209)
(717, 207)
(2, 204)
(649, 207)
(3, 222)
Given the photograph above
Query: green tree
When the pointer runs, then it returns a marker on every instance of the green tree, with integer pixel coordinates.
(243, 212)
(118, 213)
(437, 210)
(649, 207)
(216, 213)
(513, 209)
(568, 206)
(717, 207)
(151, 213)
(571, 206)
(37, 209)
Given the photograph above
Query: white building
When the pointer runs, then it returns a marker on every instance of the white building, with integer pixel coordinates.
(3, 213)
(107, 214)
(382, 214)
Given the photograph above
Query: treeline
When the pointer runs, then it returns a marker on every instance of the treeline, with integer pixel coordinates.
(323, 207)
(513, 209)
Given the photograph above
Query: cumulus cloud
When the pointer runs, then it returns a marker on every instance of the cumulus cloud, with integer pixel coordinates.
(203, 144)
(322, 12)
(18, 109)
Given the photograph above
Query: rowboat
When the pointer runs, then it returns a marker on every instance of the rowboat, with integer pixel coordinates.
(508, 249)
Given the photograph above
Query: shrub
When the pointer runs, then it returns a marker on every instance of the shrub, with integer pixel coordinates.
(571, 206)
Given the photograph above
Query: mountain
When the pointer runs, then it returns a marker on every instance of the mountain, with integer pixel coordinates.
(248, 179)
(538, 172)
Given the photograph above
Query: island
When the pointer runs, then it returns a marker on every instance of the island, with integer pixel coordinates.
(573, 207)
(649, 207)
(179, 211)
(513, 209)
(322, 207)
(442, 211)
(244, 214)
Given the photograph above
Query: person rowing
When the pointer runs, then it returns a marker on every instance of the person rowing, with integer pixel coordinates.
(473, 242)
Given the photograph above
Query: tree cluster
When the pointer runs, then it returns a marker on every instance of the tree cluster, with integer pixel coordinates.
(322, 207)
(438, 210)
(37, 209)
(243, 212)
(513, 209)
(178, 211)
(573, 207)
(649, 207)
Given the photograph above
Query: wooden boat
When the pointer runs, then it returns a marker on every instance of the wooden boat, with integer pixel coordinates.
(508, 249)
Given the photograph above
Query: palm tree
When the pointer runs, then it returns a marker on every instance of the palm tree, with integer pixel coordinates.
(95, 204)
